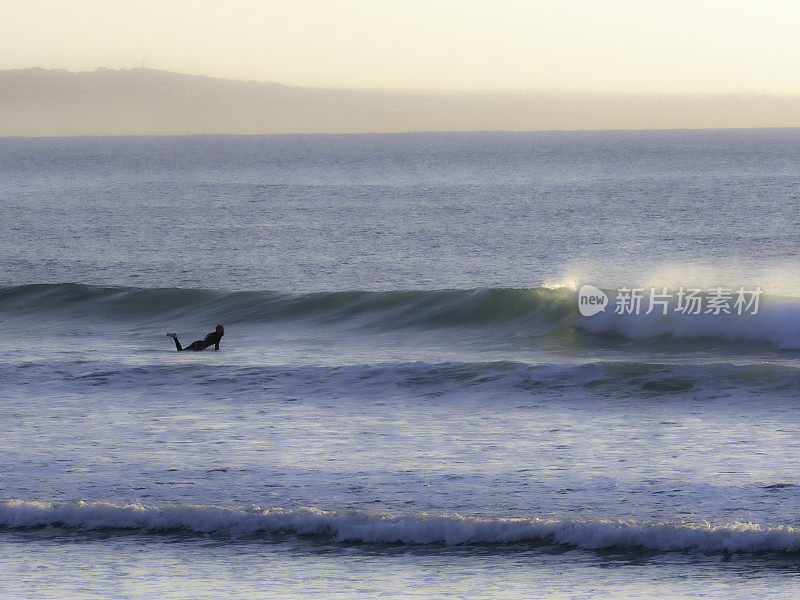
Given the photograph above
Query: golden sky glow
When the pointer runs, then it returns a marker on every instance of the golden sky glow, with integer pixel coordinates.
(583, 45)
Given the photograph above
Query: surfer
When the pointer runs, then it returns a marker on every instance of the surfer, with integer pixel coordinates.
(212, 338)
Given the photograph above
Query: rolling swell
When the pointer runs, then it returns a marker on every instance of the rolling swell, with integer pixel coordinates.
(435, 379)
(412, 529)
(389, 308)
(527, 310)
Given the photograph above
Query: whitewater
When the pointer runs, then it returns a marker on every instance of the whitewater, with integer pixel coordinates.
(407, 401)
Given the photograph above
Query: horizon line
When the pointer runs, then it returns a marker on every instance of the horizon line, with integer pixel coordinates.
(398, 133)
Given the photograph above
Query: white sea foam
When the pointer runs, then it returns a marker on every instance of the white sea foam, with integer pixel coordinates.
(417, 529)
(776, 323)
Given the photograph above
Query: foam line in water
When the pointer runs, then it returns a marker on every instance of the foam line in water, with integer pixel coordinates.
(415, 529)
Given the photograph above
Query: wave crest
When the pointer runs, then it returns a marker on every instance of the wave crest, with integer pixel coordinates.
(389, 308)
(415, 529)
(533, 311)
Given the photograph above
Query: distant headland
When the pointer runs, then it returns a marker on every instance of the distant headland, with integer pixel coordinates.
(39, 102)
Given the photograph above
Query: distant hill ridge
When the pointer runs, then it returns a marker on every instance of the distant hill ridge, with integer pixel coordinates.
(39, 102)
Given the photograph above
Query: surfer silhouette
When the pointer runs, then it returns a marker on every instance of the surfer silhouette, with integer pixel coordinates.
(212, 339)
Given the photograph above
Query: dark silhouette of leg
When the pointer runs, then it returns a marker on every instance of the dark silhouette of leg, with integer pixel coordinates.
(175, 339)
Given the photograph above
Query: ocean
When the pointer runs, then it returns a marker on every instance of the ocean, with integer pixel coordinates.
(408, 401)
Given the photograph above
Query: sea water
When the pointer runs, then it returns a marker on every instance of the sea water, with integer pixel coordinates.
(407, 402)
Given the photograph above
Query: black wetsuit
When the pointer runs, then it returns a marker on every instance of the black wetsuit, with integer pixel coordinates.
(212, 339)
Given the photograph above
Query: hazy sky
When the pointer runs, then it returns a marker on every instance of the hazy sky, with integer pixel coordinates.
(591, 45)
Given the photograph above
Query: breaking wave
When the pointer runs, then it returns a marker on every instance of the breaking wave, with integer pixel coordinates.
(533, 310)
(414, 529)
